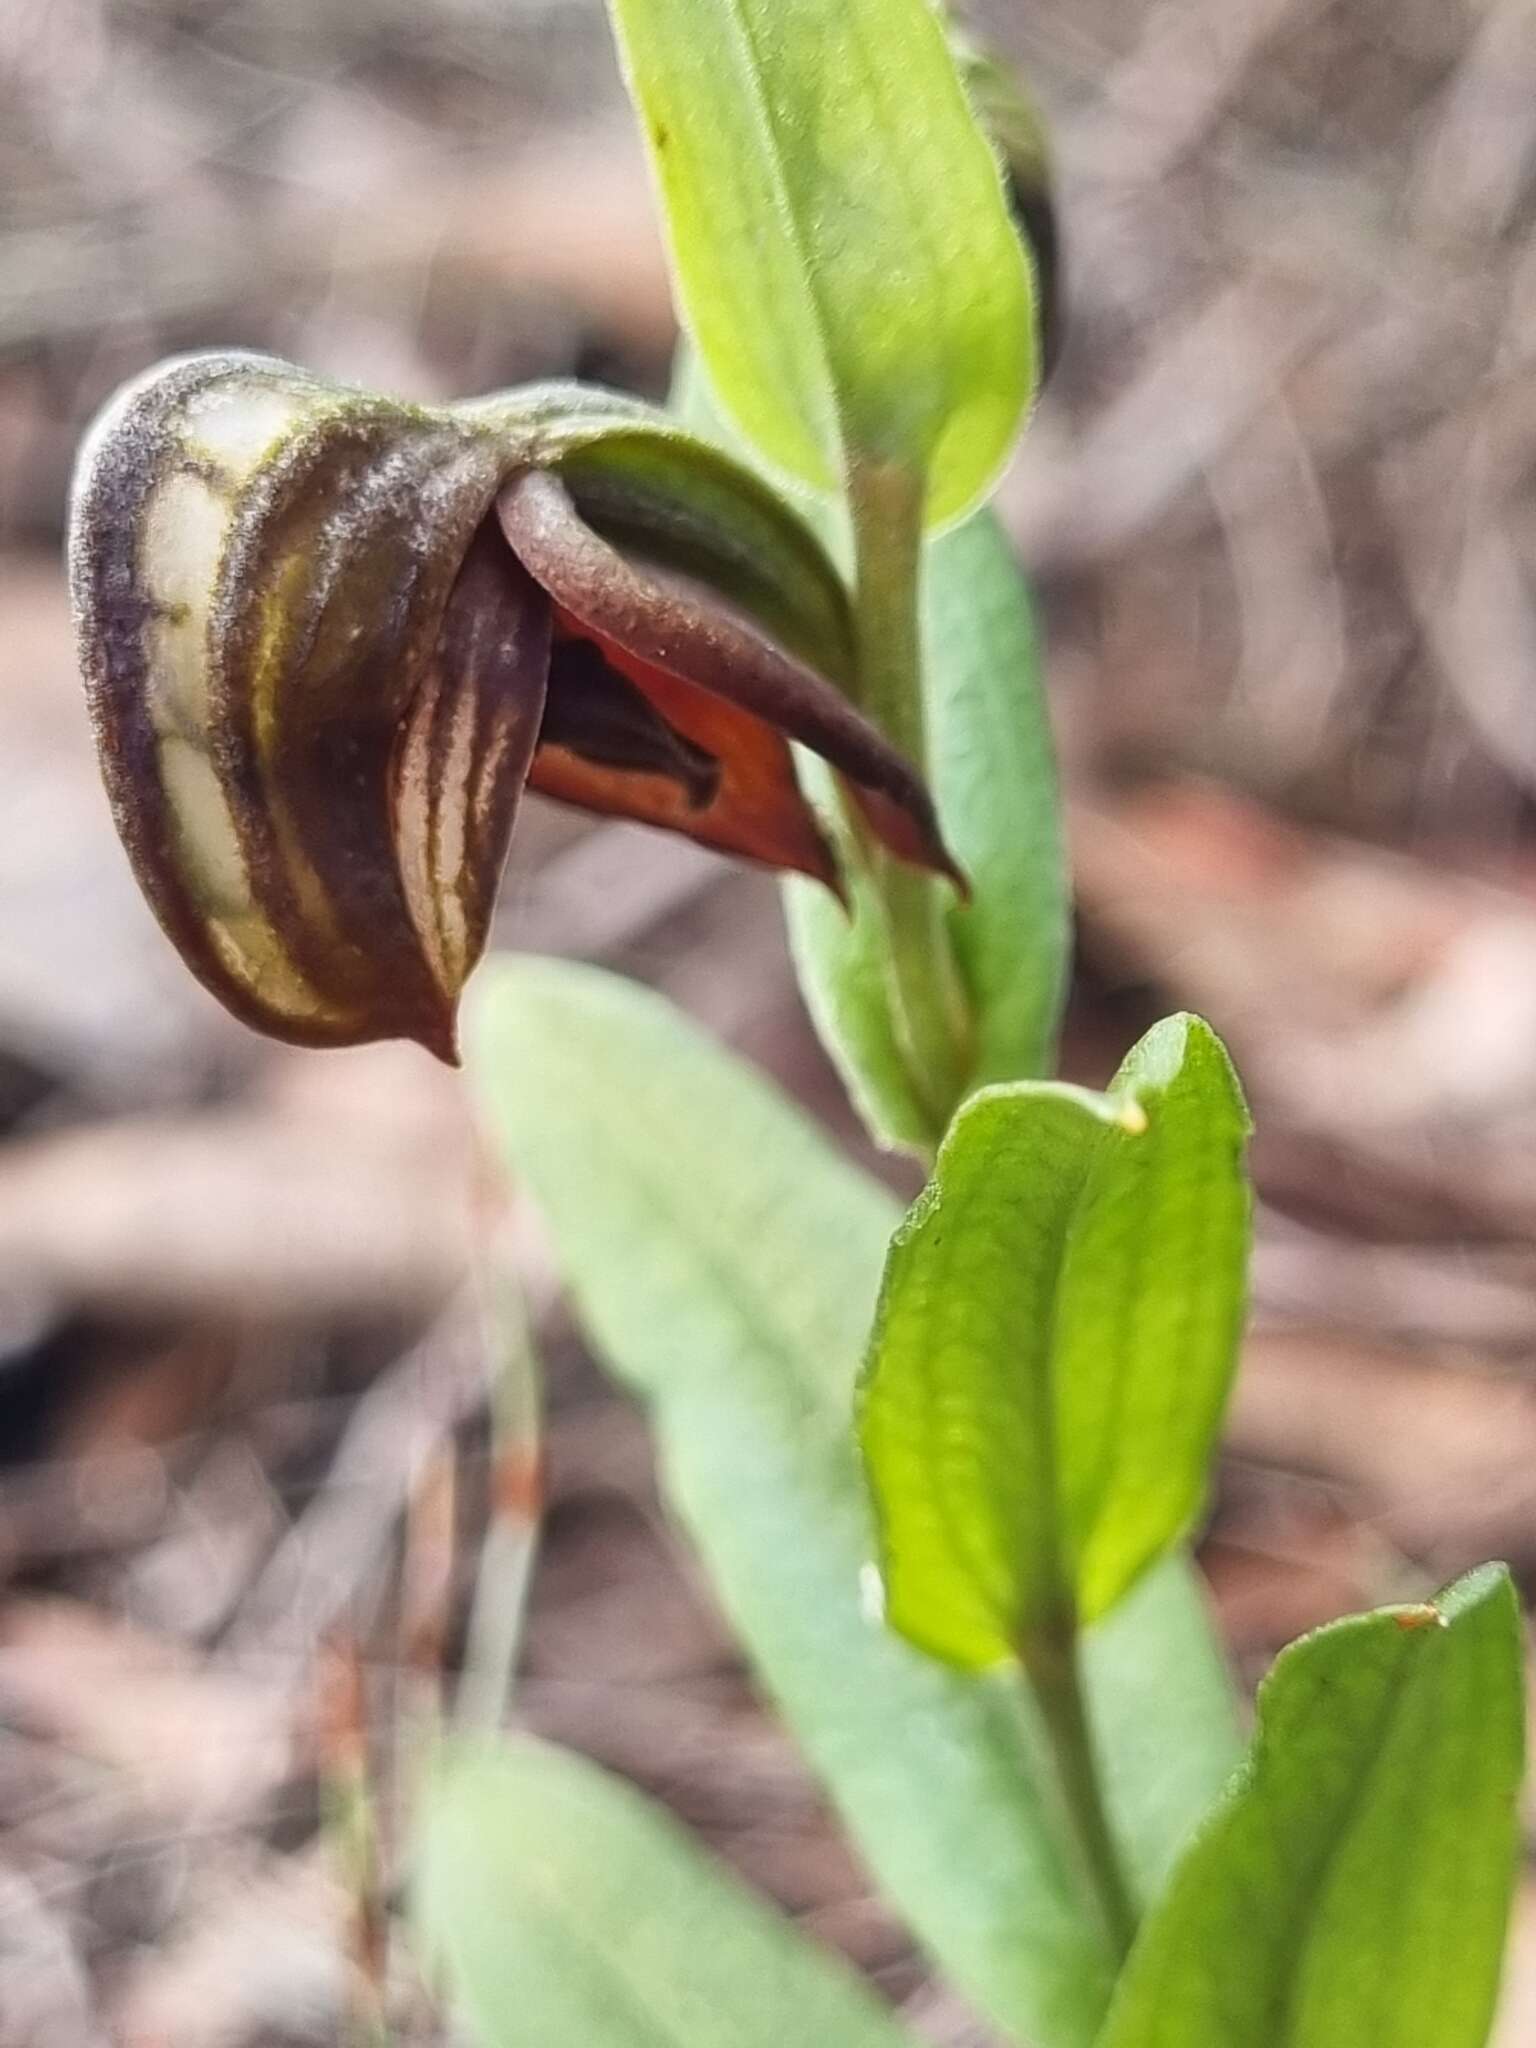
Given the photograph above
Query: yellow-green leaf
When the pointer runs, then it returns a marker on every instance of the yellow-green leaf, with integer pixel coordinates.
(1354, 1886)
(839, 235)
(1055, 1341)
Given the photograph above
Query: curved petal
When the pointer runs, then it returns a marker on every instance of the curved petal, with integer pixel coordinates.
(656, 627)
(630, 740)
(312, 728)
(463, 757)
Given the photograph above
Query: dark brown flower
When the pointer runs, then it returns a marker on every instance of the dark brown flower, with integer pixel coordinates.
(328, 638)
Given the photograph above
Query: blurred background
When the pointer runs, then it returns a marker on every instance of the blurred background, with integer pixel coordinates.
(1280, 508)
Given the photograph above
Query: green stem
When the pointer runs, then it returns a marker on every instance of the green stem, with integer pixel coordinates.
(499, 1606)
(350, 1823)
(1051, 1664)
(929, 1008)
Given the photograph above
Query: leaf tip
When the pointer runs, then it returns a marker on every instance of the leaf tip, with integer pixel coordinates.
(1484, 1582)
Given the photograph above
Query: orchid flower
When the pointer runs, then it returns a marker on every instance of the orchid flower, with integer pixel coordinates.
(328, 638)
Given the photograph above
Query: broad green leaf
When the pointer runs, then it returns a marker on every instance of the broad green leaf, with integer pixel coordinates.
(1355, 1885)
(839, 235)
(994, 781)
(565, 1909)
(726, 1261)
(1055, 1341)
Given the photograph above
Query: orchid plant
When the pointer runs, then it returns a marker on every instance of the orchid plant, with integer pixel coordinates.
(943, 1469)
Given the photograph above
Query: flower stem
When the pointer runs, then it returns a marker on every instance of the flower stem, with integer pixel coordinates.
(929, 1009)
(499, 1604)
(351, 1823)
(1051, 1664)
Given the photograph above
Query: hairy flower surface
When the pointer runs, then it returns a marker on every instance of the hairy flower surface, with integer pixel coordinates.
(329, 638)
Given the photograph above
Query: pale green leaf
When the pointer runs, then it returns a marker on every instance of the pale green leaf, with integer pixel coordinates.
(1355, 1886)
(1055, 1342)
(1164, 1717)
(726, 1261)
(994, 773)
(566, 1911)
(841, 958)
(838, 232)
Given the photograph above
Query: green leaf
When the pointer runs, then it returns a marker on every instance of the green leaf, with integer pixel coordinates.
(1056, 1337)
(841, 964)
(1164, 1718)
(839, 236)
(726, 1261)
(1355, 1886)
(994, 771)
(994, 781)
(568, 1909)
